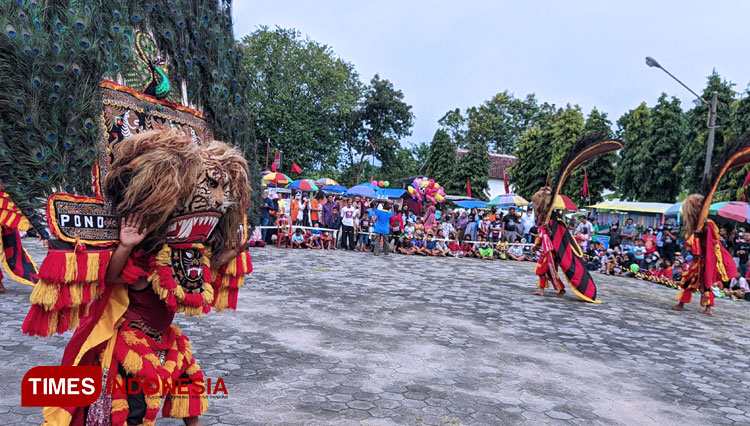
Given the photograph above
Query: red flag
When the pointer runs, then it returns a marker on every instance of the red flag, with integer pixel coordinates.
(505, 181)
(585, 183)
(296, 168)
(468, 188)
(273, 167)
(747, 180)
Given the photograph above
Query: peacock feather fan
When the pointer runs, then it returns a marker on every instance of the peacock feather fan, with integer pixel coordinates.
(54, 53)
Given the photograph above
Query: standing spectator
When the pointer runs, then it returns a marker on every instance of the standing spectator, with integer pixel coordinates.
(348, 214)
(316, 207)
(335, 224)
(267, 205)
(461, 224)
(528, 220)
(670, 243)
(472, 229)
(585, 224)
(511, 226)
(742, 252)
(447, 226)
(495, 229)
(429, 217)
(595, 229)
(327, 210)
(649, 236)
(382, 220)
(363, 240)
(660, 241)
(614, 235)
(627, 234)
(297, 209)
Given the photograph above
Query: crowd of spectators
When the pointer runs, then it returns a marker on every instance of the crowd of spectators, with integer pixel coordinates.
(329, 222)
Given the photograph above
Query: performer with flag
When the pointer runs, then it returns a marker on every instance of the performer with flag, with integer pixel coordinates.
(712, 264)
(558, 247)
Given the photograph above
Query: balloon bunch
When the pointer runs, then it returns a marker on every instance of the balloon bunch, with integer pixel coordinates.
(426, 190)
(380, 183)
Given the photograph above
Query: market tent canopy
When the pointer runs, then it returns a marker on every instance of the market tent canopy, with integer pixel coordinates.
(624, 206)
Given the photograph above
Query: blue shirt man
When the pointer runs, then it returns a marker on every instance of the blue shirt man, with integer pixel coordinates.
(382, 228)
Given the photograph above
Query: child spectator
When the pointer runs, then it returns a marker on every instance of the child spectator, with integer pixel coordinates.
(455, 247)
(639, 251)
(468, 249)
(326, 240)
(495, 230)
(485, 251)
(407, 246)
(315, 236)
(431, 245)
(298, 240)
(441, 246)
(335, 224)
(363, 239)
(501, 249)
(677, 274)
(582, 237)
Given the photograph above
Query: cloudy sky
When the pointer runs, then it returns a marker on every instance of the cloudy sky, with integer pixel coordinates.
(448, 54)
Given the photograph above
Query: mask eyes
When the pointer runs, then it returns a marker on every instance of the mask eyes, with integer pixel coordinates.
(213, 183)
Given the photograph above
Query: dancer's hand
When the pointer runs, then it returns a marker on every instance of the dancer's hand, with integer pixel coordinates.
(131, 233)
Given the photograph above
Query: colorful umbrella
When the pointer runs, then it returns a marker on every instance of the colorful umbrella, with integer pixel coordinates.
(564, 203)
(304, 185)
(334, 188)
(361, 190)
(508, 200)
(734, 210)
(277, 178)
(326, 182)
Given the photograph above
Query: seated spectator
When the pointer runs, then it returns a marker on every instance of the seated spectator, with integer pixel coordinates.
(501, 249)
(484, 250)
(468, 249)
(298, 239)
(430, 245)
(440, 246)
(639, 251)
(326, 240)
(406, 246)
(315, 236)
(515, 252)
(455, 247)
(677, 274)
(738, 288)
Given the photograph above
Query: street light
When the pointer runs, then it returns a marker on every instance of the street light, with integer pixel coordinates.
(710, 123)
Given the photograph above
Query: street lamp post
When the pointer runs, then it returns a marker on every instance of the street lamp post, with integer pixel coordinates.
(710, 123)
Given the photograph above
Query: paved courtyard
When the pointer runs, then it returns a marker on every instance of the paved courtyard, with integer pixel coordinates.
(349, 338)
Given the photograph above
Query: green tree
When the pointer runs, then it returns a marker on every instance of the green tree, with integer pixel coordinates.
(474, 166)
(441, 165)
(500, 121)
(567, 128)
(600, 170)
(300, 90)
(661, 180)
(385, 119)
(694, 150)
(456, 125)
(530, 171)
(634, 127)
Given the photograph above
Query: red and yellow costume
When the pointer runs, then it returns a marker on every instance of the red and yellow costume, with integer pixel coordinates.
(15, 260)
(199, 208)
(712, 264)
(557, 246)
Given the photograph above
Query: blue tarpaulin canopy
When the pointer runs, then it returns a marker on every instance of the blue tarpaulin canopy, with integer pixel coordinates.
(471, 204)
(390, 193)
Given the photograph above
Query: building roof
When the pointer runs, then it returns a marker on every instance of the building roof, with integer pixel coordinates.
(498, 163)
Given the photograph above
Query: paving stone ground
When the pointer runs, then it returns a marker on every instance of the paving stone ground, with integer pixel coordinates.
(349, 338)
